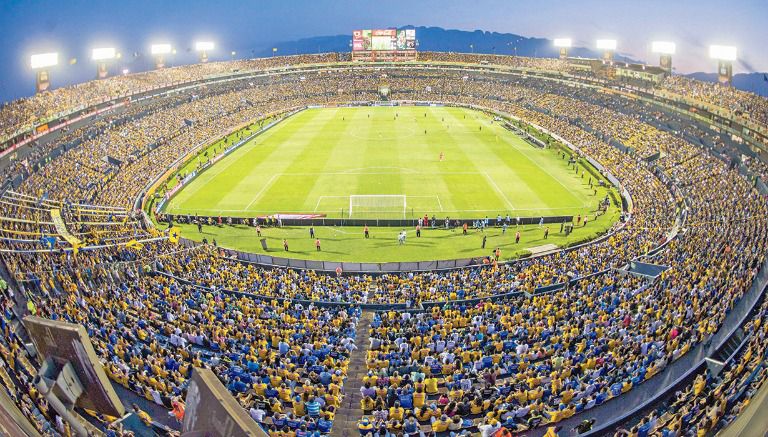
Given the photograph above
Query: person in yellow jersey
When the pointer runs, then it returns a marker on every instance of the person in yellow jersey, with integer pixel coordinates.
(431, 385)
(440, 424)
(397, 412)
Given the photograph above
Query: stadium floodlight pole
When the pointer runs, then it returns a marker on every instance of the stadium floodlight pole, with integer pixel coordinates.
(204, 47)
(160, 51)
(563, 44)
(608, 46)
(41, 63)
(102, 55)
(665, 50)
(725, 55)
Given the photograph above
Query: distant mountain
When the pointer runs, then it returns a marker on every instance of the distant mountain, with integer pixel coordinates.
(752, 82)
(439, 39)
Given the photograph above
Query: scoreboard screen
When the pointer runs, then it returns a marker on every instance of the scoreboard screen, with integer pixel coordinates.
(383, 40)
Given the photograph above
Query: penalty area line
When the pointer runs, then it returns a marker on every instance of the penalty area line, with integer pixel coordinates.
(499, 191)
(263, 189)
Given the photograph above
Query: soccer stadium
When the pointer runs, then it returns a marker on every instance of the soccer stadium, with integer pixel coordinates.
(384, 240)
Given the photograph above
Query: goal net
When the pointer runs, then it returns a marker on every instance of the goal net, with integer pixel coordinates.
(385, 206)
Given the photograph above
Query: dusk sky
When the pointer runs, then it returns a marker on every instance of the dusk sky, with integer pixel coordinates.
(74, 27)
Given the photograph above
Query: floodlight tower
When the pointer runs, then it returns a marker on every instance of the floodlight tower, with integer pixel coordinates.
(608, 46)
(159, 51)
(204, 47)
(41, 63)
(102, 55)
(665, 50)
(564, 44)
(725, 56)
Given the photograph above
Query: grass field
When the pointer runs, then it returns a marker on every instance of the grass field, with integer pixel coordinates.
(313, 161)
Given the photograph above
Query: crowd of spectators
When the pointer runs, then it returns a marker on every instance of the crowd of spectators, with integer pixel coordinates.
(524, 359)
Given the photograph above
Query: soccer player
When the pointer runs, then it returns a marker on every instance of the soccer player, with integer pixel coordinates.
(258, 230)
(311, 232)
(317, 244)
(485, 237)
(365, 231)
(418, 231)
(442, 155)
(546, 232)
(285, 244)
(517, 237)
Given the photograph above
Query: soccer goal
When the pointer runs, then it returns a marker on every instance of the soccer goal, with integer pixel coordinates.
(385, 206)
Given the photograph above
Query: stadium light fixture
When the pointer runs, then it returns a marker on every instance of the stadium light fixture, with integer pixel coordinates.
(40, 63)
(202, 46)
(665, 50)
(103, 53)
(101, 56)
(722, 53)
(161, 49)
(43, 60)
(725, 55)
(606, 44)
(563, 44)
(663, 47)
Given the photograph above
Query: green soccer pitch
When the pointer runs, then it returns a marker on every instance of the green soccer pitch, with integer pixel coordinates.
(441, 161)
(312, 162)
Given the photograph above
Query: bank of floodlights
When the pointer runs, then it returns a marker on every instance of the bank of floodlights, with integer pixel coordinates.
(665, 50)
(159, 51)
(204, 47)
(41, 63)
(102, 56)
(725, 55)
(608, 46)
(563, 44)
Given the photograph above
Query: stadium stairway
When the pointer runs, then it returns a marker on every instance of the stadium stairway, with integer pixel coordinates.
(345, 422)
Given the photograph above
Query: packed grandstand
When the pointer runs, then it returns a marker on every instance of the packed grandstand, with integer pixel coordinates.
(542, 345)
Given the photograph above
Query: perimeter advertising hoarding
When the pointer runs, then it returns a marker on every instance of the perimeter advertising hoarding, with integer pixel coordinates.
(383, 40)
(66, 342)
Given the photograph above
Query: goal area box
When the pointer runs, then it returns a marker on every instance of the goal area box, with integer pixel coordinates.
(384, 206)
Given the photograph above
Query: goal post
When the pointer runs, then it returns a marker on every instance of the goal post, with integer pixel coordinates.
(377, 206)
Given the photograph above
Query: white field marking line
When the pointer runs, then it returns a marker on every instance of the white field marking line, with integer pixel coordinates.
(439, 203)
(498, 190)
(520, 149)
(347, 173)
(263, 189)
(196, 210)
(363, 169)
(320, 199)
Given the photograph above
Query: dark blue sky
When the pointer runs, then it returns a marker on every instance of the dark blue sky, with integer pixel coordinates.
(74, 27)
